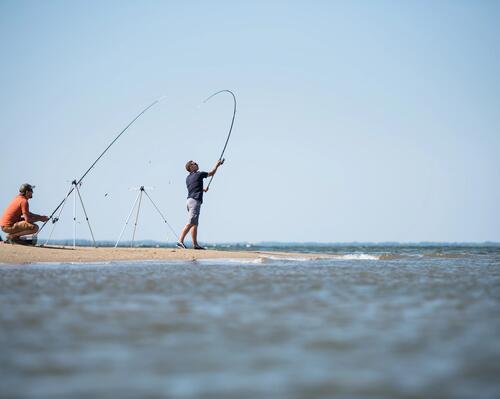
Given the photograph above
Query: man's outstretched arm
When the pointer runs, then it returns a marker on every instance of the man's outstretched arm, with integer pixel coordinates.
(217, 164)
(33, 217)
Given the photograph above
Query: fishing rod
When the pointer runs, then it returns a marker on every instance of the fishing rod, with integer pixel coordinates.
(79, 181)
(230, 129)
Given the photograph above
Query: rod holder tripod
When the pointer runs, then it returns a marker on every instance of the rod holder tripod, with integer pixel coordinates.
(76, 193)
(137, 202)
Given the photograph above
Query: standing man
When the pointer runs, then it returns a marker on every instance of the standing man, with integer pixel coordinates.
(194, 183)
(17, 220)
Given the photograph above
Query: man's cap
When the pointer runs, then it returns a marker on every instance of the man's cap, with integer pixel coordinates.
(26, 187)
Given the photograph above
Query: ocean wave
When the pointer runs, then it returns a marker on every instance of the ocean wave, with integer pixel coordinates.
(442, 255)
(291, 258)
(357, 257)
(233, 260)
(247, 261)
(276, 259)
(324, 257)
(393, 256)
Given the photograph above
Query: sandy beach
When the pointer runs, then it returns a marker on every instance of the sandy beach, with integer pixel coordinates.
(19, 254)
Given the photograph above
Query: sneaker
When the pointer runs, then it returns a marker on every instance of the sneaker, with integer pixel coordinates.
(180, 245)
(198, 247)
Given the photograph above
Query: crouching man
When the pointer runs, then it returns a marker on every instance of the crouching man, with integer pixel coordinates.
(17, 220)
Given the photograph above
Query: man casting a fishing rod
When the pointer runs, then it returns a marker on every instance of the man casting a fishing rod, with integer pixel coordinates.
(194, 183)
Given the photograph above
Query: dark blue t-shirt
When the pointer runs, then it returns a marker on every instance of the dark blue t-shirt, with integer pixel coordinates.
(194, 183)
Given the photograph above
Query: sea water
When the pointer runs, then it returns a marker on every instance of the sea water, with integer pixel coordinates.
(374, 322)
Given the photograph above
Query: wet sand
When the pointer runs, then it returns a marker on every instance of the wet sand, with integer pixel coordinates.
(19, 254)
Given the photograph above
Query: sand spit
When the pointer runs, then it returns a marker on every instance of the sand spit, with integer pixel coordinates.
(19, 254)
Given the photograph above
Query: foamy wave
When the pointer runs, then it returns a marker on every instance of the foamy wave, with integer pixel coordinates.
(290, 258)
(233, 260)
(357, 257)
(252, 261)
(276, 258)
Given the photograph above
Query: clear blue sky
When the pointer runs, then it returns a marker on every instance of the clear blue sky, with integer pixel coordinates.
(357, 121)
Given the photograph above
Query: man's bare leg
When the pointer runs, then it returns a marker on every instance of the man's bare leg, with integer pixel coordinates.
(194, 235)
(22, 233)
(184, 232)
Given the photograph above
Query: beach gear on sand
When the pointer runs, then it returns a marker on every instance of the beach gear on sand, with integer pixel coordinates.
(20, 241)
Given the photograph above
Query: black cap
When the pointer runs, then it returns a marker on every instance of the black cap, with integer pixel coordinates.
(26, 187)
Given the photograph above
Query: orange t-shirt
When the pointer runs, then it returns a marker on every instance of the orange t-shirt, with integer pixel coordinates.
(14, 211)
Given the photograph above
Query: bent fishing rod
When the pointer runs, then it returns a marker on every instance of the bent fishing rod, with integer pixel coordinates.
(79, 181)
(230, 128)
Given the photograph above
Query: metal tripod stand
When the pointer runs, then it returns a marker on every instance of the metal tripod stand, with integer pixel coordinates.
(76, 192)
(137, 202)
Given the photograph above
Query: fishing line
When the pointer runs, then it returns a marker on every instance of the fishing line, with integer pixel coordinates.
(230, 128)
(97, 160)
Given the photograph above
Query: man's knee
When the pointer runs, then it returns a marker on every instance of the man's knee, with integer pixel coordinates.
(26, 226)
